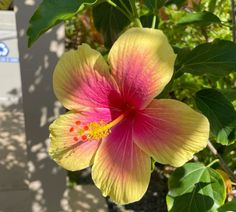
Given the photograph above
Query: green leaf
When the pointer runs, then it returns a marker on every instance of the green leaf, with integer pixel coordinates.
(201, 18)
(217, 59)
(51, 12)
(194, 188)
(181, 56)
(230, 93)
(220, 113)
(229, 206)
(152, 4)
(212, 5)
(109, 21)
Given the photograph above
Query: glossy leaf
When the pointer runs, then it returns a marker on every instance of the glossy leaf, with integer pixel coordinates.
(51, 12)
(217, 59)
(195, 187)
(201, 18)
(181, 56)
(220, 113)
(109, 21)
(229, 206)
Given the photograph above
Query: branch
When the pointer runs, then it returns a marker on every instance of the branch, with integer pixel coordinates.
(221, 161)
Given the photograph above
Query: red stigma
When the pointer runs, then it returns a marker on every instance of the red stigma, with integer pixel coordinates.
(86, 127)
(84, 137)
(77, 122)
(75, 138)
(71, 129)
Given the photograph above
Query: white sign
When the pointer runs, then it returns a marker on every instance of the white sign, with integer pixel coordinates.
(10, 82)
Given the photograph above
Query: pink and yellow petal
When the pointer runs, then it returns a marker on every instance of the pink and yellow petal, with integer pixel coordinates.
(170, 131)
(67, 148)
(82, 79)
(121, 170)
(142, 63)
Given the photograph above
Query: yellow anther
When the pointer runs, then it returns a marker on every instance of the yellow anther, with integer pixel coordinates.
(98, 130)
(95, 130)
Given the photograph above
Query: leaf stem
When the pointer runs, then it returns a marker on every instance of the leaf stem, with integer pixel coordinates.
(125, 7)
(119, 8)
(233, 20)
(154, 19)
(137, 22)
(221, 161)
(132, 4)
(213, 162)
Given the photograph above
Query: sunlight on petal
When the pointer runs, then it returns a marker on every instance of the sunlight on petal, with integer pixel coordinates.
(121, 170)
(142, 62)
(66, 147)
(82, 79)
(170, 131)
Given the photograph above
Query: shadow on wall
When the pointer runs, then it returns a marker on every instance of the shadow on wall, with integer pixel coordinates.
(46, 181)
(12, 148)
(13, 158)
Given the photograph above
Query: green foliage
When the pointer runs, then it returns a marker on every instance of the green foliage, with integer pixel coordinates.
(220, 113)
(52, 12)
(212, 5)
(200, 18)
(229, 206)
(195, 187)
(179, 3)
(216, 59)
(109, 21)
(192, 35)
(229, 93)
(154, 4)
(229, 155)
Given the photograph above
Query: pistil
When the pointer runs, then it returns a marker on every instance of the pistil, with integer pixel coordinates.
(94, 130)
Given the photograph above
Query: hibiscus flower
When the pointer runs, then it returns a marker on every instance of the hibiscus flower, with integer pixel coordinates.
(114, 122)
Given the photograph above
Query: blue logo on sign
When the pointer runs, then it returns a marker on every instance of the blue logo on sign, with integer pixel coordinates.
(4, 51)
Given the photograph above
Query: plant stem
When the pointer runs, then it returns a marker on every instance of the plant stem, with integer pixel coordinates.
(154, 21)
(125, 7)
(119, 8)
(213, 162)
(221, 161)
(136, 19)
(233, 20)
(132, 4)
(137, 22)
(133, 18)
